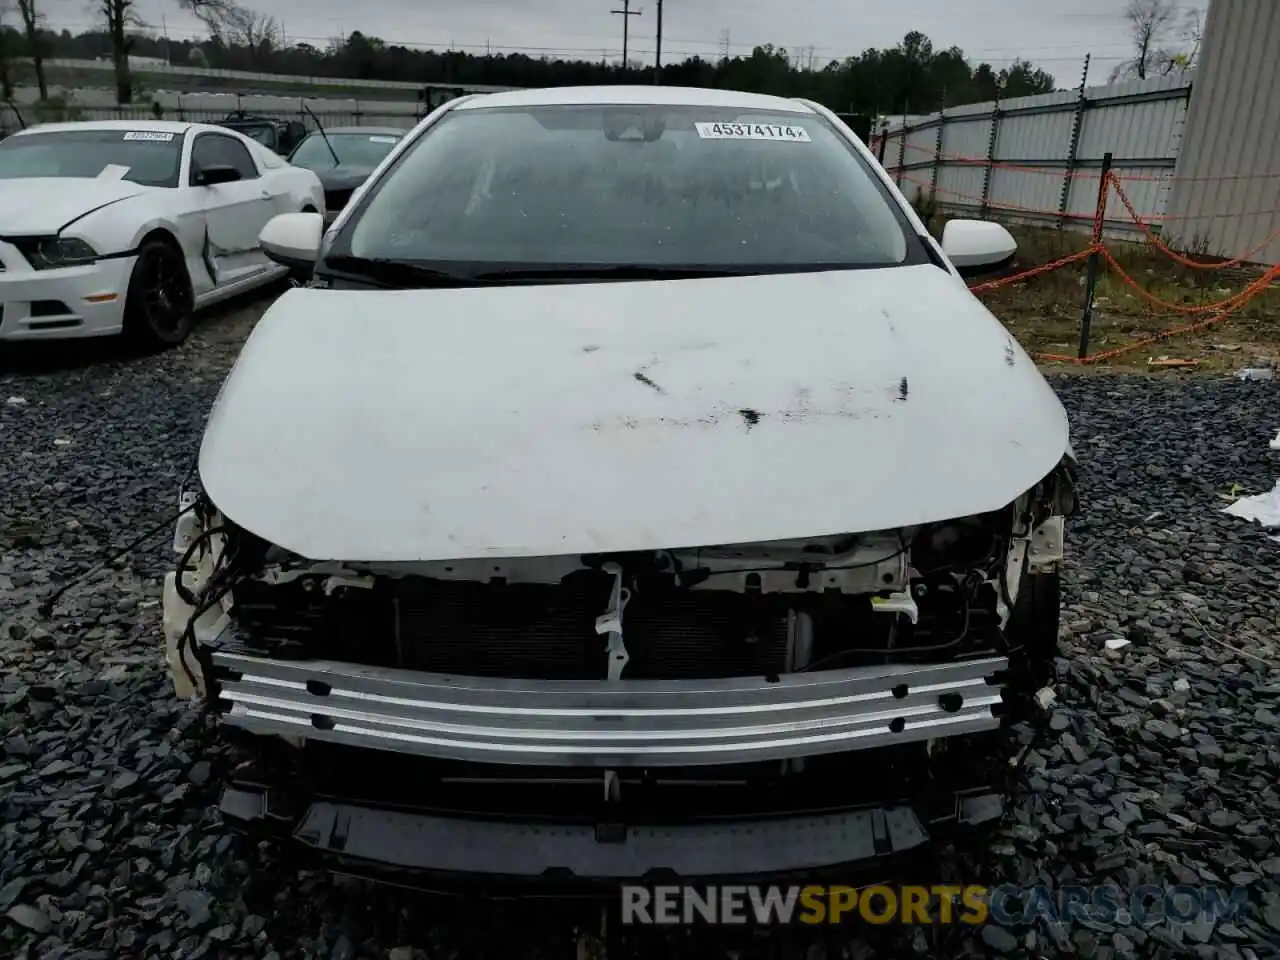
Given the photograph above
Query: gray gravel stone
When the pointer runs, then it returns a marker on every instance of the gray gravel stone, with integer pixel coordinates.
(110, 844)
(29, 917)
(999, 939)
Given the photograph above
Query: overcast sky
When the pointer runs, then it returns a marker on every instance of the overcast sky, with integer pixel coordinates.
(1055, 34)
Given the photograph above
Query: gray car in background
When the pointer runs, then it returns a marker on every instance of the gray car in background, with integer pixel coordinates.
(343, 158)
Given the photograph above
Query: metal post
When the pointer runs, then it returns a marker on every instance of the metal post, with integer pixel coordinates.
(993, 138)
(937, 153)
(884, 141)
(1077, 125)
(1095, 261)
(902, 148)
(657, 55)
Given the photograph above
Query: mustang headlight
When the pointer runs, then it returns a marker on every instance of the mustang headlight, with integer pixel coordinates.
(47, 253)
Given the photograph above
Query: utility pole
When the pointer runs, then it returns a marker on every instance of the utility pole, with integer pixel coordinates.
(657, 58)
(627, 13)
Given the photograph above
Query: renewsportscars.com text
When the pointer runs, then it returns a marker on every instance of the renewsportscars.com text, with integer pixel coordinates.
(971, 904)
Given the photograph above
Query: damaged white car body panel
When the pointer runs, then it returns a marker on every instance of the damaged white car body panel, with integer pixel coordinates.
(596, 418)
(78, 201)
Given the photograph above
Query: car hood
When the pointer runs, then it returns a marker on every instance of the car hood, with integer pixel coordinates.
(342, 178)
(41, 206)
(595, 418)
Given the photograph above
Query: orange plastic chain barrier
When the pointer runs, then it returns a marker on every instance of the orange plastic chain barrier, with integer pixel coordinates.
(1012, 207)
(1081, 174)
(1000, 165)
(1268, 278)
(1146, 294)
(1015, 208)
(1035, 271)
(1154, 240)
(1218, 311)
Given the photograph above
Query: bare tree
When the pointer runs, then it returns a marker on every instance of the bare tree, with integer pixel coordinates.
(119, 16)
(1153, 25)
(31, 18)
(213, 14)
(248, 28)
(1192, 34)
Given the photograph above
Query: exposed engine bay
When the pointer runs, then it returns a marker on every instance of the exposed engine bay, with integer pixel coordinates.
(940, 591)
(683, 686)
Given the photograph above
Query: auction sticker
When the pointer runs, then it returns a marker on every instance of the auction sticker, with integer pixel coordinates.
(152, 136)
(786, 133)
(383, 140)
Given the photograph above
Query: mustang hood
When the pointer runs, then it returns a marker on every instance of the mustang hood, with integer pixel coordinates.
(41, 206)
(594, 418)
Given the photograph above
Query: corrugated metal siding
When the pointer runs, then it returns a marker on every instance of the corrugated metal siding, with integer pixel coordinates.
(1233, 130)
(1136, 121)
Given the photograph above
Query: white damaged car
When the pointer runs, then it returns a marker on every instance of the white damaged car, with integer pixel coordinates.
(129, 226)
(635, 490)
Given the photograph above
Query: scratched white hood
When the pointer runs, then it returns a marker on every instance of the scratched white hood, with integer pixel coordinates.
(567, 419)
(41, 206)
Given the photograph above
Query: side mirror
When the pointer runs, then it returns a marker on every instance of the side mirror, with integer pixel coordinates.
(293, 240)
(977, 246)
(215, 174)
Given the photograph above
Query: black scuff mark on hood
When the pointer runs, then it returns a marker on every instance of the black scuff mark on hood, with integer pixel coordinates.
(642, 377)
(1010, 354)
(749, 417)
(904, 389)
(102, 206)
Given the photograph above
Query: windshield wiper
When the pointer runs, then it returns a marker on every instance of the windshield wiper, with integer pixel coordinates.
(609, 272)
(399, 274)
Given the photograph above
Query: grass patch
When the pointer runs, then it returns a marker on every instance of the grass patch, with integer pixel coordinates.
(1044, 311)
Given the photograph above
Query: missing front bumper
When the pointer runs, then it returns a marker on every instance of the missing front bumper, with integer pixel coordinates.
(641, 723)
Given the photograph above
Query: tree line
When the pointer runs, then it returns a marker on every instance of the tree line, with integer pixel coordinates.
(911, 77)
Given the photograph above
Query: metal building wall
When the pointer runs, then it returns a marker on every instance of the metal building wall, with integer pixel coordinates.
(1232, 131)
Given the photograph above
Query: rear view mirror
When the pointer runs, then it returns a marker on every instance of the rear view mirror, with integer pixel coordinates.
(977, 246)
(293, 240)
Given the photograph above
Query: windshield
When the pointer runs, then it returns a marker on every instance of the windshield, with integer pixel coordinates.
(263, 133)
(642, 186)
(353, 150)
(147, 157)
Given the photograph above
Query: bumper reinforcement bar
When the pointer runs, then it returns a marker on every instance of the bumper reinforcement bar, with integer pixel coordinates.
(626, 723)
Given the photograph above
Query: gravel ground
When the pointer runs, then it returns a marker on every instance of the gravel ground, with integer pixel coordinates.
(1160, 765)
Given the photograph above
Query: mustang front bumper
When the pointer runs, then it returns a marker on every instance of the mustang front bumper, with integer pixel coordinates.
(82, 301)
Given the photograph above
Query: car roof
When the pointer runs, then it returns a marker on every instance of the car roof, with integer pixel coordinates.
(371, 131)
(142, 126)
(622, 95)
